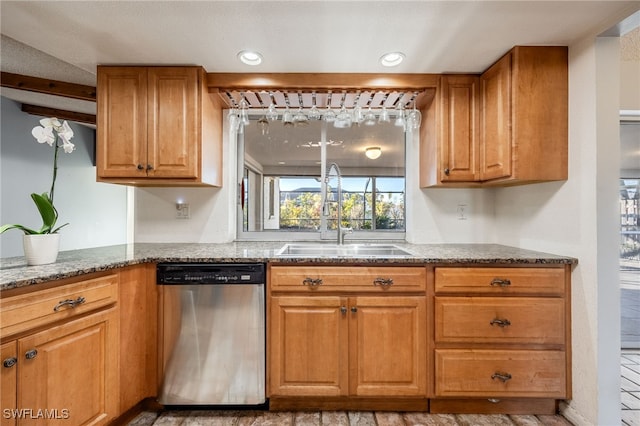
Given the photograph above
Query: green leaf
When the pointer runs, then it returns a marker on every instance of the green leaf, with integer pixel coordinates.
(24, 229)
(47, 211)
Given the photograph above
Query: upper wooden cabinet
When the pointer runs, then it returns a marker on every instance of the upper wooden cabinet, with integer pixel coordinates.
(450, 135)
(157, 126)
(508, 126)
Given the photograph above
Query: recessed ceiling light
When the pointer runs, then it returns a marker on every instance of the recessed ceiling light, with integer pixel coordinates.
(249, 57)
(392, 59)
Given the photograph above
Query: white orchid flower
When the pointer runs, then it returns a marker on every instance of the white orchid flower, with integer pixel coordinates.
(65, 131)
(50, 122)
(44, 134)
(68, 146)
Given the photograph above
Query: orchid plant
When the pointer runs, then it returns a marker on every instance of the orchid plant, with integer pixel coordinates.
(56, 135)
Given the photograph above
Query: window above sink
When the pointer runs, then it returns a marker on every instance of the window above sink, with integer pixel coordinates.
(281, 171)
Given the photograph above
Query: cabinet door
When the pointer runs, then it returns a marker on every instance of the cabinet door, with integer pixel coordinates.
(122, 122)
(308, 346)
(388, 355)
(173, 126)
(495, 142)
(459, 131)
(8, 355)
(71, 370)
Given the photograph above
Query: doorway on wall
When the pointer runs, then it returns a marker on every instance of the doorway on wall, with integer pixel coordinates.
(630, 236)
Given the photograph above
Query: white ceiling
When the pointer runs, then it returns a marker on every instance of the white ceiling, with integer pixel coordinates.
(301, 36)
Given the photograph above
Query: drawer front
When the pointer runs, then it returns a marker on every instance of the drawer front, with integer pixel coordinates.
(377, 279)
(26, 311)
(526, 320)
(488, 373)
(536, 281)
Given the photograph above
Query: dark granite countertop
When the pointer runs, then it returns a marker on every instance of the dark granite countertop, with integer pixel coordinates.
(14, 271)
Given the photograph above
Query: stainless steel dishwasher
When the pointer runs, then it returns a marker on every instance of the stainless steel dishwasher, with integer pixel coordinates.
(212, 334)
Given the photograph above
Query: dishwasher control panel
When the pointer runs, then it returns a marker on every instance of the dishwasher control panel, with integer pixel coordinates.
(208, 273)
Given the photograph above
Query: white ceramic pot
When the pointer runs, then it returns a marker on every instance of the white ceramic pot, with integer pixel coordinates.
(41, 249)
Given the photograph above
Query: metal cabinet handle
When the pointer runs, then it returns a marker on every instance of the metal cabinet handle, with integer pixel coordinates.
(69, 302)
(447, 171)
(31, 354)
(149, 167)
(312, 282)
(10, 362)
(383, 282)
(504, 377)
(500, 322)
(343, 309)
(140, 167)
(354, 309)
(501, 282)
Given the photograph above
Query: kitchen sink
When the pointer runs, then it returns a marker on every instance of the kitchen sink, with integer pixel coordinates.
(347, 250)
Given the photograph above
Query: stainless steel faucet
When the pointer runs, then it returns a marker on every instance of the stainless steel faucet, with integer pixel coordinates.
(341, 230)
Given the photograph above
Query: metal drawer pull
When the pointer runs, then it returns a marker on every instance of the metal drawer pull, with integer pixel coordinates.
(31, 354)
(10, 362)
(69, 302)
(354, 309)
(500, 322)
(501, 282)
(384, 282)
(343, 310)
(504, 377)
(312, 282)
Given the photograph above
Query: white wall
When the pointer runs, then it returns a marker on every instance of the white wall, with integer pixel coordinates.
(630, 93)
(433, 216)
(578, 218)
(96, 212)
(213, 210)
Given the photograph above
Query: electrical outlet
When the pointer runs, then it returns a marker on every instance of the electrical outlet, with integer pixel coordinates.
(462, 211)
(182, 211)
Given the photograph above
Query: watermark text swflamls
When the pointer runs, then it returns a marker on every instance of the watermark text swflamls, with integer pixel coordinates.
(40, 413)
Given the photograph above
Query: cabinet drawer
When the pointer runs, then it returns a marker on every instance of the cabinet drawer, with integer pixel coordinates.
(344, 278)
(527, 320)
(537, 281)
(26, 311)
(487, 373)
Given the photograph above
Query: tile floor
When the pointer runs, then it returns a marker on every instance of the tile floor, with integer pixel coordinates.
(338, 418)
(630, 395)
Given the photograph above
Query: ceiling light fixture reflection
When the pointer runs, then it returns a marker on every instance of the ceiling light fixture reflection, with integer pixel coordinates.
(392, 59)
(373, 152)
(250, 57)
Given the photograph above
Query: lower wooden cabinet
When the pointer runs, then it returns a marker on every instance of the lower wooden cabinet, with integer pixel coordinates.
(453, 338)
(8, 381)
(68, 371)
(343, 338)
(309, 346)
(138, 311)
(66, 368)
(502, 339)
(500, 373)
(339, 346)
